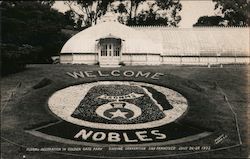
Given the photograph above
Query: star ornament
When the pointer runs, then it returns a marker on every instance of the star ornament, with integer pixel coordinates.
(118, 113)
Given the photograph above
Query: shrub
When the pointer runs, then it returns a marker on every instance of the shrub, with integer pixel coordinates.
(14, 58)
(122, 63)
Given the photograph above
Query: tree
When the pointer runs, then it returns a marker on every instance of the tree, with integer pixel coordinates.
(157, 12)
(88, 10)
(33, 24)
(121, 10)
(69, 20)
(210, 21)
(134, 4)
(233, 13)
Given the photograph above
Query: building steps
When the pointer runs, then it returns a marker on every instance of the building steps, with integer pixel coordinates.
(109, 64)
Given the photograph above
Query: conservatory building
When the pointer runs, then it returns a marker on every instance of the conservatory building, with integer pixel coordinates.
(110, 43)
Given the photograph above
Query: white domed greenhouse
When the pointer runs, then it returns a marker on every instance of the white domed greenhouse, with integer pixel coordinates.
(111, 43)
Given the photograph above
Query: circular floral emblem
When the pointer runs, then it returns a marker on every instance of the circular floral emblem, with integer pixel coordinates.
(118, 105)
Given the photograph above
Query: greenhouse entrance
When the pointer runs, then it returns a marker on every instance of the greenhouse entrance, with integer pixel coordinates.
(110, 51)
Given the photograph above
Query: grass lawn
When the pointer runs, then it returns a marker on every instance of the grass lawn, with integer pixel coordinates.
(216, 97)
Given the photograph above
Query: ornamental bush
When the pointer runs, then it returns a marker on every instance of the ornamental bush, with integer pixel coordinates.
(14, 58)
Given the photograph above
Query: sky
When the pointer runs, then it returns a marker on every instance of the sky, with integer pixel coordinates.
(191, 10)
